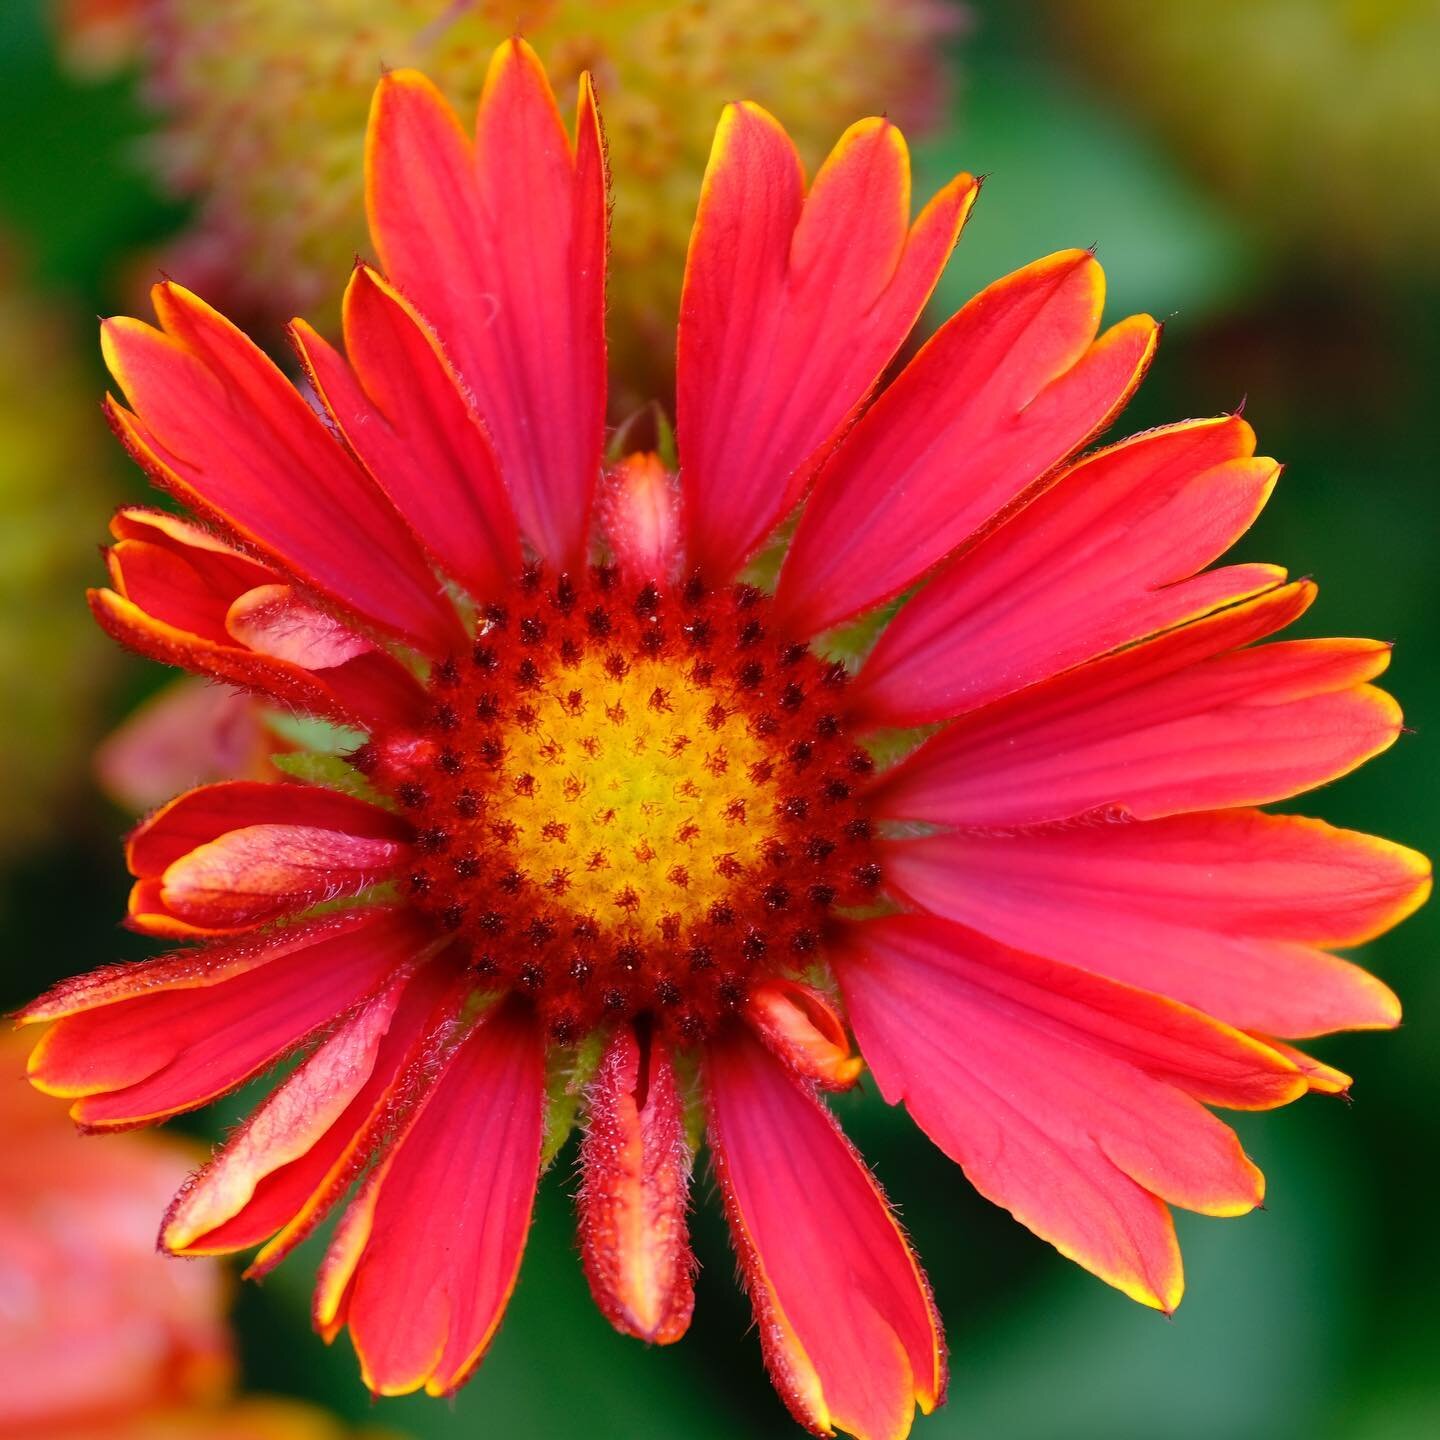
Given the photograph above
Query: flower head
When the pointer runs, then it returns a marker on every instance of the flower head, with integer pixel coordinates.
(620, 832)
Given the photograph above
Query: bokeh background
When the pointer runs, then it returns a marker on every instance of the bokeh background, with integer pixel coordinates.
(1261, 174)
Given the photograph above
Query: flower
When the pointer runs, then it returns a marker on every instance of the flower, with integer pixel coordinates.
(94, 1326)
(100, 1338)
(628, 837)
(261, 106)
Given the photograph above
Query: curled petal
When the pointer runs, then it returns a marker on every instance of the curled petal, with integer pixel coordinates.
(800, 1025)
(635, 1163)
(230, 856)
(285, 1129)
(222, 567)
(792, 306)
(205, 814)
(1012, 386)
(260, 872)
(640, 516)
(185, 598)
(284, 1168)
(183, 590)
(850, 1334)
(275, 620)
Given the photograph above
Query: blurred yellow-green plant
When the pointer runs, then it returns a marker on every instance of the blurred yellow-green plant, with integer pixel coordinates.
(263, 103)
(1317, 118)
(55, 468)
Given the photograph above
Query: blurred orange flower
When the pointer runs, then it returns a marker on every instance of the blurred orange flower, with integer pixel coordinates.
(243, 1420)
(101, 1336)
(94, 1323)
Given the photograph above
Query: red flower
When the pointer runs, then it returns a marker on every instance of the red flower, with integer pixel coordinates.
(620, 832)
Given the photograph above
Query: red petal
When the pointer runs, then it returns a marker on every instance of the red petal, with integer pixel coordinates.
(850, 1335)
(166, 585)
(640, 518)
(1099, 560)
(219, 425)
(799, 1024)
(1066, 1098)
(369, 690)
(261, 872)
(426, 1257)
(635, 1164)
(225, 569)
(1180, 723)
(1009, 388)
(1322, 1079)
(231, 856)
(282, 1134)
(502, 248)
(181, 969)
(1223, 911)
(202, 815)
(792, 307)
(405, 415)
(143, 1056)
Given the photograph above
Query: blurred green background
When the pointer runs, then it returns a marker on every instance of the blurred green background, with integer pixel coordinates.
(1315, 1318)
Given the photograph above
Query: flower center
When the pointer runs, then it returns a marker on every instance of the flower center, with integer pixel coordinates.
(631, 801)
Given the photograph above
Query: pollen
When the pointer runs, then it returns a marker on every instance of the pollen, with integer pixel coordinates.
(632, 801)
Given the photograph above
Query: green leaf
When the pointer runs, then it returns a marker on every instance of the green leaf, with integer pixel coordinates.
(332, 772)
(568, 1073)
(692, 1094)
(306, 732)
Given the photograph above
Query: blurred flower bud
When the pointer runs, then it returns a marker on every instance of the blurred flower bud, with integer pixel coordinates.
(264, 101)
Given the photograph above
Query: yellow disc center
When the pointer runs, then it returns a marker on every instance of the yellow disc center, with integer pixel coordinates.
(634, 794)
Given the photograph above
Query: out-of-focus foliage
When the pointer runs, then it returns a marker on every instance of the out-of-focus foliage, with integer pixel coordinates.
(54, 469)
(1317, 118)
(262, 106)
